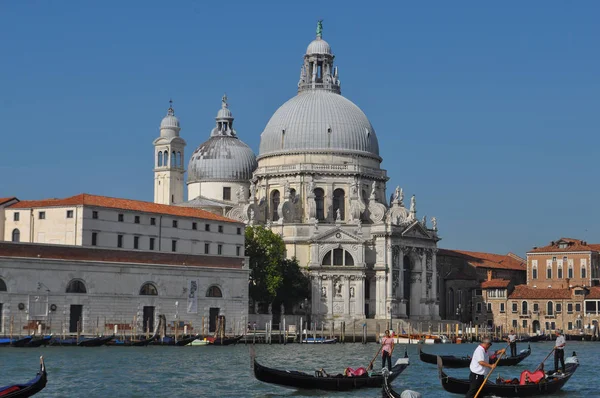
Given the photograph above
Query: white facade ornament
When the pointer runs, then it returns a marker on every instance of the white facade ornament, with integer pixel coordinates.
(399, 195)
(324, 292)
(373, 189)
(424, 221)
(352, 292)
(434, 223)
(338, 216)
(413, 204)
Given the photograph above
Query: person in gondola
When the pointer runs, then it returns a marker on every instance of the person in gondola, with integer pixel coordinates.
(387, 348)
(559, 351)
(480, 366)
(512, 340)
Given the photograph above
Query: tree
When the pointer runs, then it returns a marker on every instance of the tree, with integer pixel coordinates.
(273, 277)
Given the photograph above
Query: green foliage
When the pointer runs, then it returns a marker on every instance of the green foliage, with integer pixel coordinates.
(273, 277)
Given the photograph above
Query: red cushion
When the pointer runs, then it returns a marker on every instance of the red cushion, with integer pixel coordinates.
(9, 390)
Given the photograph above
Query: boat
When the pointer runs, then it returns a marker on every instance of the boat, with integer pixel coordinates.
(38, 342)
(321, 381)
(388, 392)
(185, 340)
(451, 361)
(22, 342)
(199, 342)
(28, 389)
(224, 340)
(94, 341)
(319, 340)
(551, 384)
(533, 339)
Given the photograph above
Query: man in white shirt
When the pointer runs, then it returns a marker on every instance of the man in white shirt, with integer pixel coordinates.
(480, 366)
(512, 339)
(559, 351)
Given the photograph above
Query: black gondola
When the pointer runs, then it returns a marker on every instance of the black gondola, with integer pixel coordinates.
(550, 385)
(28, 389)
(224, 340)
(534, 339)
(318, 381)
(38, 342)
(95, 341)
(451, 361)
(22, 342)
(387, 391)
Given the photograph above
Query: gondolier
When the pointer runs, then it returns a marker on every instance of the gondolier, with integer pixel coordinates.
(512, 340)
(559, 351)
(387, 348)
(480, 366)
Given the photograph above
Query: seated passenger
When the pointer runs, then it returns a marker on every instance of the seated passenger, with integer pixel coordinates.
(355, 372)
(532, 377)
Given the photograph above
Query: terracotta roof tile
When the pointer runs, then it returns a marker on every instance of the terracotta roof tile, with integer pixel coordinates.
(123, 204)
(488, 260)
(527, 292)
(4, 200)
(574, 245)
(495, 284)
(594, 293)
(78, 253)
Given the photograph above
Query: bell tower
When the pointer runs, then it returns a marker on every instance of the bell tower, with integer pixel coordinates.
(168, 161)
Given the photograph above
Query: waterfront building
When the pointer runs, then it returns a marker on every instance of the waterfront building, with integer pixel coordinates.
(463, 275)
(64, 289)
(318, 182)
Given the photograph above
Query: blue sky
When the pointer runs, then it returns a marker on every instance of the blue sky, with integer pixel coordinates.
(488, 112)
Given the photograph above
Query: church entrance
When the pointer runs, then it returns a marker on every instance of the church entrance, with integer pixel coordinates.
(536, 326)
(75, 313)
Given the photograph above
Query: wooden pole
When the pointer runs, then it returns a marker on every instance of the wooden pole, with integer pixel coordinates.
(489, 374)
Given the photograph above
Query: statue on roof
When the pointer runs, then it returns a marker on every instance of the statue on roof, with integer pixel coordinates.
(413, 204)
(434, 223)
(224, 101)
(320, 28)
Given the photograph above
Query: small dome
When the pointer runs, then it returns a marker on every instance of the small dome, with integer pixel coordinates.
(318, 46)
(224, 113)
(222, 158)
(169, 126)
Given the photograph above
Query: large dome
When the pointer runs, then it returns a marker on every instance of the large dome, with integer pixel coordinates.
(222, 158)
(318, 121)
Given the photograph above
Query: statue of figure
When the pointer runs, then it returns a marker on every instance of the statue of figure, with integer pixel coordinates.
(373, 188)
(424, 221)
(324, 292)
(413, 204)
(338, 215)
(224, 101)
(354, 188)
(351, 291)
(320, 28)
(316, 224)
(311, 187)
(338, 288)
(359, 227)
(397, 193)
(434, 223)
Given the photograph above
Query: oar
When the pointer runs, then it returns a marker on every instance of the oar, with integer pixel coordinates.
(547, 356)
(488, 375)
(374, 358)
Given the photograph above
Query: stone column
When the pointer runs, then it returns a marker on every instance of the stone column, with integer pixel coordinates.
(316, 295)
(331, 294)
(359, 297)
(424, 275)
(389, 289)
(347, 295)
(434, 282)
(402, 305)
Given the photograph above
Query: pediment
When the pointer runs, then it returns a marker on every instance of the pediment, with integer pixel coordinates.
(416, 230)
(336, 235)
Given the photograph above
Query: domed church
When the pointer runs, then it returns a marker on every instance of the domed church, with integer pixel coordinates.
(318, 182)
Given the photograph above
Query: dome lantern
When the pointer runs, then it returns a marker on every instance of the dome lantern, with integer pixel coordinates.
(169, 126)
(318, 72)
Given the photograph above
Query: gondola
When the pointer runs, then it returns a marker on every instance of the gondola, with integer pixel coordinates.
(319, 340)
(45, 340)
(22, 342)
(224, 340)
(320, 380)
(94, 341)
(28, 389)
(550, 385)
(451, 361)
(534, 339)
(387, 390)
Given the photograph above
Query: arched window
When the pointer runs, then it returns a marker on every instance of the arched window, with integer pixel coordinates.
(165, 158)
(16, 235)
(550, 308)
(159, 161)
(320, 203)
(179, 163)
(173, 159)
(339, 202)
(148, 289)
(275, 198)
(337, 257)
(214, 291)
(524, 309)
(76, 286)
(2, 286)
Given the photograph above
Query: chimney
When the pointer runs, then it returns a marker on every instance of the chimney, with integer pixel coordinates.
(489, 275)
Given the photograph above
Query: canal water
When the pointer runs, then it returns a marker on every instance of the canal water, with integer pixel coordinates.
(225, 371)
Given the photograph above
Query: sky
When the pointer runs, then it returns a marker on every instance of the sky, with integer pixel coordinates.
(487, 111)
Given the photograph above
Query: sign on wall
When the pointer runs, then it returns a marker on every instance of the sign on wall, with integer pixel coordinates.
(192, 303)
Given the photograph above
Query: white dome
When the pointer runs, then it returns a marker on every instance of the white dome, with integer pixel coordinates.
(222, 158)
(169, 126)
(319, 121)
(318, 46)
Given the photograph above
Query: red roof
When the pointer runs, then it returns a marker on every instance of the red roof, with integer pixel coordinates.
(573, 245)
(594, 293)
(78, 253)
(488, 260)
(123, 204)
(495, 284)
(5, 200)
(527, 292)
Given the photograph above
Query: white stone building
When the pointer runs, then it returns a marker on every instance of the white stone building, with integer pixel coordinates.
(318, 182)
(69, 288)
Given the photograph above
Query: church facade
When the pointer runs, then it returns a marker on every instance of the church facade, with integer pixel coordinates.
(318, 182)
